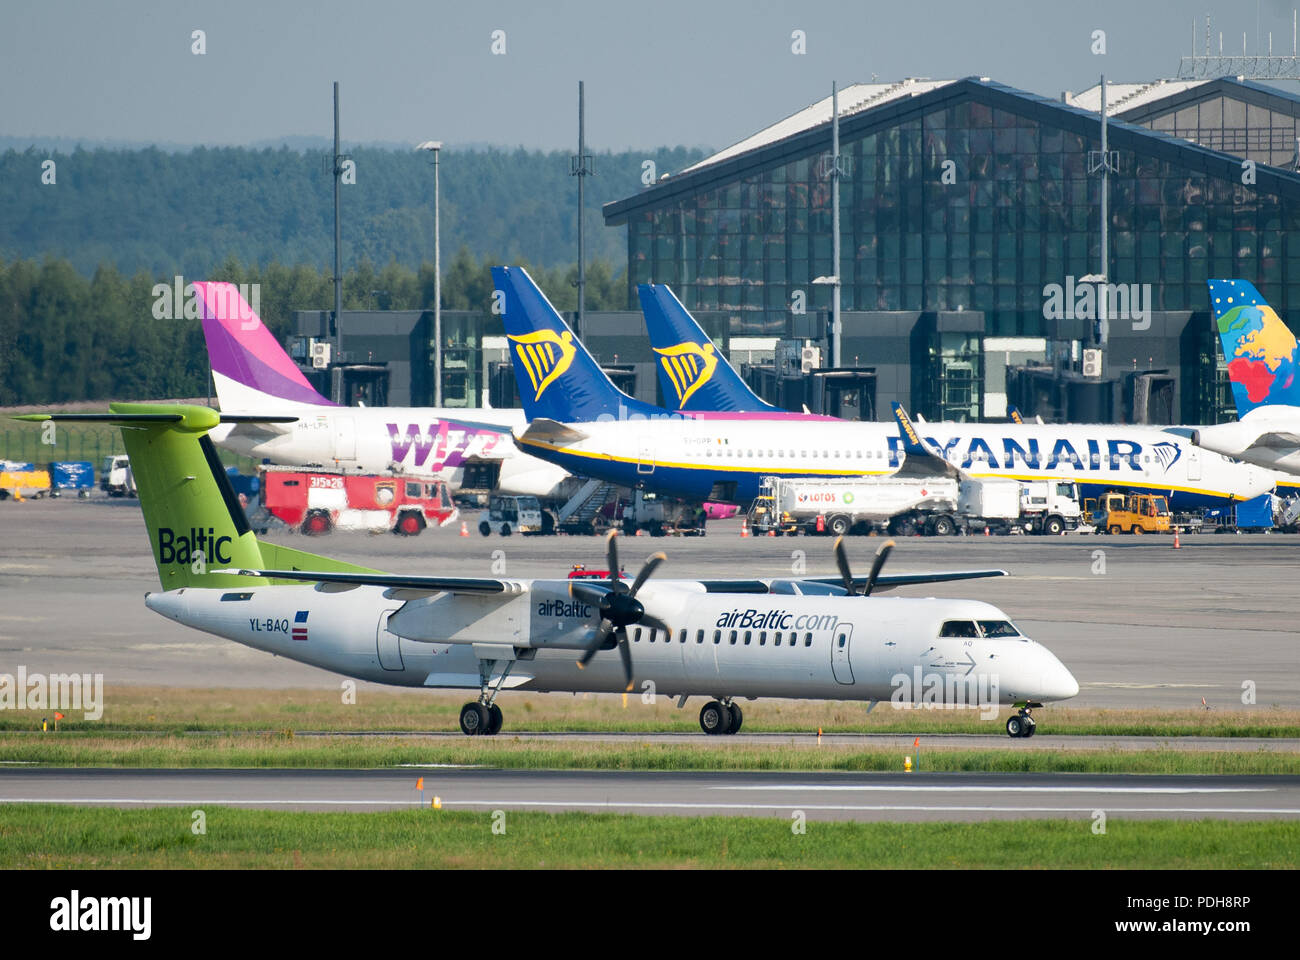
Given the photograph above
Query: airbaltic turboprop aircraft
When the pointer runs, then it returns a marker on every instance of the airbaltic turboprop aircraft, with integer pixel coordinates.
(809, 638)
(253, 375)
(1263, 359)
(582, 422)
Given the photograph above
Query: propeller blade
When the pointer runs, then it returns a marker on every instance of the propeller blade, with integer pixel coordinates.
(611, 559)
(606, 628)
(626, 653)
(842, 561)
(588, 592)
(648, 568)
(654, 623)
(881, 556)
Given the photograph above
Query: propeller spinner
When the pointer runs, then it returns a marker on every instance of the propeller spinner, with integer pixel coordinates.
(619, 607)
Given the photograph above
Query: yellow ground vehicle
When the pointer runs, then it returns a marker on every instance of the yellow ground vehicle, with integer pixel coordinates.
(1136, 513)
(22, 484)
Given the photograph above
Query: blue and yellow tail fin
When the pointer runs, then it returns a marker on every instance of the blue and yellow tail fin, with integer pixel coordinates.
(694, 376)
(558, 379)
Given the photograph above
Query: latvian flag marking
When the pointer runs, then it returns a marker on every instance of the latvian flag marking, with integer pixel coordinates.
(300, 625)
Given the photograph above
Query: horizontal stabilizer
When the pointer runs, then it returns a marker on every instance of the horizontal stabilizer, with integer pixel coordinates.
(543, 430)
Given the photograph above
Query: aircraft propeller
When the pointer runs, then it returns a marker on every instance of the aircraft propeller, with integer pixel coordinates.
(842, 559)
(619, 607)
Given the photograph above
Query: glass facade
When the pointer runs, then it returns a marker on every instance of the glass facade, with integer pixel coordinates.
(1021, 211)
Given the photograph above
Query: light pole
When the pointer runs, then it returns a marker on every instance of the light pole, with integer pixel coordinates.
(435, 146)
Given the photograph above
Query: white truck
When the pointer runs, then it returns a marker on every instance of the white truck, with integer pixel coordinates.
(507, 515)
(116, 478)
(1049, 506)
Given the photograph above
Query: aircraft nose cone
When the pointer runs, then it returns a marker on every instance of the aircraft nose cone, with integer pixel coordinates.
(1057, 683)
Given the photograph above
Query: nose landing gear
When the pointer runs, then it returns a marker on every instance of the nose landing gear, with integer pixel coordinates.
(1021, 724)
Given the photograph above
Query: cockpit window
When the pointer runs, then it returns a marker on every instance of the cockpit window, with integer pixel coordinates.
(958, 628)
(998, 628)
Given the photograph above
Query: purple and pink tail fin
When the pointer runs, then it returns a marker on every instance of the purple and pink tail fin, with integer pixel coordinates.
(250, 368)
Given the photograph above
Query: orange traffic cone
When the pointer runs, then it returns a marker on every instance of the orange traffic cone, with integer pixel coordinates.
(1177, 544)
(771, 531)
(744, 526)
(464, 530)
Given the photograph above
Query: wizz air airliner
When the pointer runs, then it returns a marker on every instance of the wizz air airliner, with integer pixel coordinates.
(253, 375)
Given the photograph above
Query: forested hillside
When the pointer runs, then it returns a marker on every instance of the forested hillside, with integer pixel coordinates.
(188, 212)
(67, 337)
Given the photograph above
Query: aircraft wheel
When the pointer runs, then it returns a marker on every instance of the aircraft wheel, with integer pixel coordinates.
(495, 720)
(737, 718)
(1031, 727)
(1015, 726)
(474, 719)
(714, 718)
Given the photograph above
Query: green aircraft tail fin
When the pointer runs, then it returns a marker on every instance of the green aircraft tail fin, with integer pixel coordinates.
(195, 521)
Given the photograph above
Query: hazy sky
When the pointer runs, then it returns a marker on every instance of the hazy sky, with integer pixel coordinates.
(691, 72)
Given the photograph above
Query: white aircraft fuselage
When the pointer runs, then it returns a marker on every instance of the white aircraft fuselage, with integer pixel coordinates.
(721, 644)
(726, 457)
(1268, 436)
(413, 441)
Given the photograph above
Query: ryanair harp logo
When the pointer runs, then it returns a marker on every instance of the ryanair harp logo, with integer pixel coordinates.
(545, 354)
(689, 367)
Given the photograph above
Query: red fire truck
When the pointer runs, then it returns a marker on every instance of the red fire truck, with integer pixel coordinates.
(318, 501)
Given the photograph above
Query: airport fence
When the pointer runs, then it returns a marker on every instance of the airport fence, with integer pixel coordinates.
(82, 442)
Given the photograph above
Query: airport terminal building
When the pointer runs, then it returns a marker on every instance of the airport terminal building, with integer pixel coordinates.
(960, 201)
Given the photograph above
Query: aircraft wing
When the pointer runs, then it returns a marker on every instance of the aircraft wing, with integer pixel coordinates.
(883, 582)
(402, 587)
(922, 460)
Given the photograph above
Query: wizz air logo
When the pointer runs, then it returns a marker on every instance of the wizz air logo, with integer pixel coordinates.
(440, 446)
(1166, 453)
(545, 355)
(689, 366)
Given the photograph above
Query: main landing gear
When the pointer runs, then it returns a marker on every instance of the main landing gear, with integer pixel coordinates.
(1021, 724)
(483, 718)
(719, 717)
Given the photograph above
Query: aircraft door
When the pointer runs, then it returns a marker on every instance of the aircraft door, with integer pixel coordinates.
(645, 458)
(345, 438)
(841, 641)
(387, 644)
(1193, 463)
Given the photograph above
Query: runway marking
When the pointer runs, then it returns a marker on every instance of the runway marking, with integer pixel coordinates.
(1121, 685)
(921, 788)
(615, 804)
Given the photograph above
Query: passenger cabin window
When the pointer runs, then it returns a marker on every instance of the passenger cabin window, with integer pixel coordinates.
(749, 635)
(807, 639)
(732, 638)
(717, 636)
(699, 636)
(681, 636)
(959, 628)
(636, 635)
